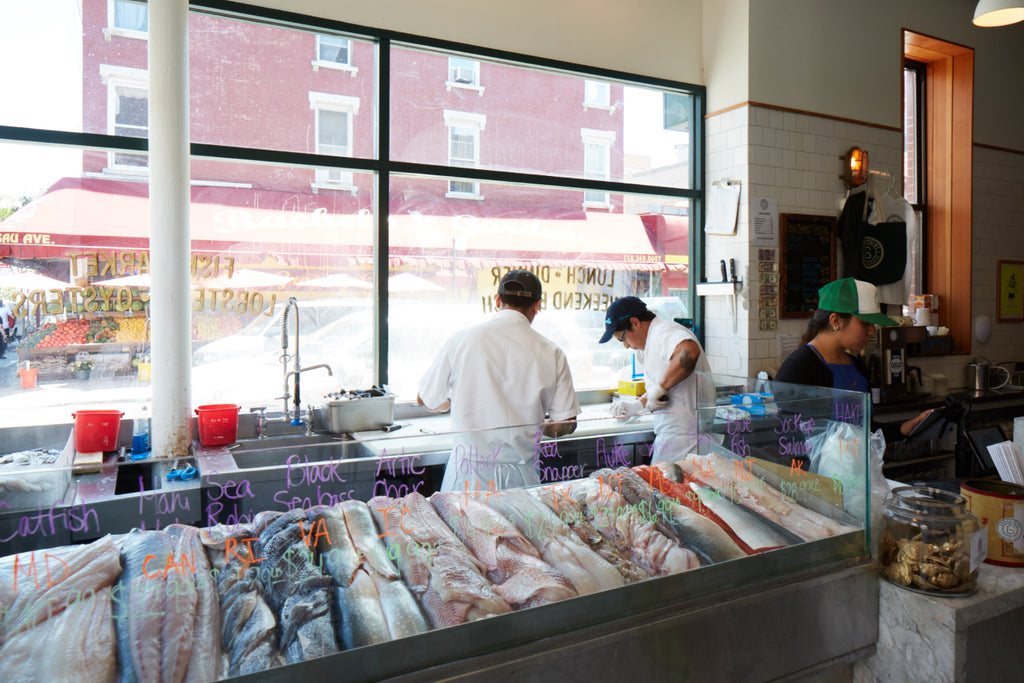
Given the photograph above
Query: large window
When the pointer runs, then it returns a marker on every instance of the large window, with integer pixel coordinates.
(939, 100)
(591, 181)
(128, 16)
(127, 111)
(334, 126)
(464, 148)
(333, 51)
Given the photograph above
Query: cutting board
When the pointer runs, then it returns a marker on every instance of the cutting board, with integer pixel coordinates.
(87, 462)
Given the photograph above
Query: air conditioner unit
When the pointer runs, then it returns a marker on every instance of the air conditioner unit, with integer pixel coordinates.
(463, 74)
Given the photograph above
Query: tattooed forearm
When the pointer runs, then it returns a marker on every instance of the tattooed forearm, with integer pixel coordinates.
(688, 360)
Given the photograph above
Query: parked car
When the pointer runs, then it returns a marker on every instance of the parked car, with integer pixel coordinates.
(417, 332)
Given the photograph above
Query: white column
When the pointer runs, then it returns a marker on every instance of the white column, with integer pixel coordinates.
(170, 304)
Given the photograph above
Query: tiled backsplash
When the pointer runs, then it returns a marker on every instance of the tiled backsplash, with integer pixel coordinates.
(795, 158)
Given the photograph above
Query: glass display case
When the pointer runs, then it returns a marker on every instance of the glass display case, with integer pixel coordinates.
(341, 552)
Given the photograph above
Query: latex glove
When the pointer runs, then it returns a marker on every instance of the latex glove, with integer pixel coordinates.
(627, 408)
(657, 398)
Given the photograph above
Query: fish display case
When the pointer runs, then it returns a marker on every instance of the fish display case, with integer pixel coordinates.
(600, 553)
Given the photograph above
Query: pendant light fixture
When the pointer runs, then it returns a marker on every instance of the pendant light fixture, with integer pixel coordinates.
(998, 12)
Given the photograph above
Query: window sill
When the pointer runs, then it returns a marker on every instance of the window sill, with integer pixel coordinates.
(596, 105)
(464, 86)
(335, 66)
(463, 195)
(316, 186)
(124, 33)
(125, 172)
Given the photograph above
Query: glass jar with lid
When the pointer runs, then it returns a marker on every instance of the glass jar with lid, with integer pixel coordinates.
(931, 542)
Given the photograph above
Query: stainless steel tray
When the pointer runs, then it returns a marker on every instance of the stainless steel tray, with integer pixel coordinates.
(344, 416)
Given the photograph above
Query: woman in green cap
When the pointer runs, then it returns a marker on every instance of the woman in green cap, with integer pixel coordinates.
(841, 327)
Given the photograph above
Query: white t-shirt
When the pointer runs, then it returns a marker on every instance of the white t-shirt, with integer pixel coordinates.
(4, 312)
(500, 373)
(676, 428)
(888, 208)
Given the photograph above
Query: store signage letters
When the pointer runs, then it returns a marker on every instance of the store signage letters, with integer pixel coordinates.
(24, 238)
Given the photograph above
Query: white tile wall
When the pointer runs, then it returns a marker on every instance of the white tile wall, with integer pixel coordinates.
(795, 158)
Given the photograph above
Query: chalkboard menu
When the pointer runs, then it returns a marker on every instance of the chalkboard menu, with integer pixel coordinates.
(807, 261)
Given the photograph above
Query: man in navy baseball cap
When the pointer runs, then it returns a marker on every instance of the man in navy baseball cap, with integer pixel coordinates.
(672, 360)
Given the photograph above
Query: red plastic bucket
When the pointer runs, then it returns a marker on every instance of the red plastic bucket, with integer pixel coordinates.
(96, 430)
(218, 423)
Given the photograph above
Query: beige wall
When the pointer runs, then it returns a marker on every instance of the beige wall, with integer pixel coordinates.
(839, 58)
(660, 38)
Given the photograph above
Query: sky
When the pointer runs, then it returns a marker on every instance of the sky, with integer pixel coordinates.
(45, 34)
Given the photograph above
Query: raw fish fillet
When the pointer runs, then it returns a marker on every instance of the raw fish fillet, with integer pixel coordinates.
(572, 512)
(624, 526)
(363, 532)
(640, 495)
(248, 626)
(374, 604)
(558, 545)
(441, 572)
(722, 475)
(746, 523)
(513, 564)
(47, 580)
(76, 645)
(401, 611)
(698, 526)
(207, 658)
(363, 621)
(154, 609)
(298, 592)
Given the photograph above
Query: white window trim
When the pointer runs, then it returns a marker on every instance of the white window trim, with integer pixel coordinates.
(321, 101)
(591, 104)
(110, 30)
(334, 66)
(605, 138)
(113, 76)
(472, 120)
(449, 83)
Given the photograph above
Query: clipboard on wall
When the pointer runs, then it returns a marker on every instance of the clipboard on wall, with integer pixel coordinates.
(723, 207)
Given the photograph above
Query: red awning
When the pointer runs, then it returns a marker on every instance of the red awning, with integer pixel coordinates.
(91, 214)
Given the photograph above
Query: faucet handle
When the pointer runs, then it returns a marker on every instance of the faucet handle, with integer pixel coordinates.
(310, 418)
(258, 409)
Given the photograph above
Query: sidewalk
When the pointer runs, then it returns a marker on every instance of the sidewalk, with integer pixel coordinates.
(54, 402)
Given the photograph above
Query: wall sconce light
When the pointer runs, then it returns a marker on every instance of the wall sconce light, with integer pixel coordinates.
(855, 167)
(998, 12)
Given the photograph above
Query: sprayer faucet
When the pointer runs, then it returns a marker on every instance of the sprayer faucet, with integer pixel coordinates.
(297, 371)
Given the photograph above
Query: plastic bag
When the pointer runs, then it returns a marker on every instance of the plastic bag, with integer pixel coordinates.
(838, 454)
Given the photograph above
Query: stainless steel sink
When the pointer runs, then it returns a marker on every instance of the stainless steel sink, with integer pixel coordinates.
(294, 450)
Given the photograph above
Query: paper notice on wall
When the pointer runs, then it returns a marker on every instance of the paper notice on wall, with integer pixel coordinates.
(723, 208)
(788, 343)
(764, 221)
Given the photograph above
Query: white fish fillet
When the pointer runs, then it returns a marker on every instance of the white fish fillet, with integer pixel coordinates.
(753, 493)
(558, 544)
(624, 526)
(520, 576)
(76, 645)
(206, 660)
(441, 572)
(48, 579)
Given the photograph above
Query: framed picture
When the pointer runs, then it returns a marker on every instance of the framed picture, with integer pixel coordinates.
(1010, 294)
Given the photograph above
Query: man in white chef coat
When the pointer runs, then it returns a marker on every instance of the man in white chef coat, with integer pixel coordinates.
(670, 356)
(504, 377)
